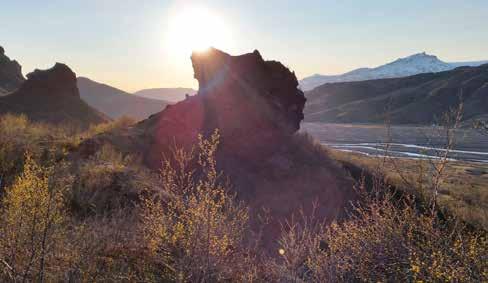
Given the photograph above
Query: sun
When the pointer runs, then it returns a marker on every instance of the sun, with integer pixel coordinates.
(195, 28)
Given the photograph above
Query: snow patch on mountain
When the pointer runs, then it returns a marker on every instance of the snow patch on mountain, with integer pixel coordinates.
(412, 65)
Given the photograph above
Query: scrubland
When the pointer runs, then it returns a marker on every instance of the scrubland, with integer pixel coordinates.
(107, 218)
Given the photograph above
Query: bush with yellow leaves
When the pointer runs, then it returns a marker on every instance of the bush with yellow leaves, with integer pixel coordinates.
(198, 232)
(32, 225)
(386, 239)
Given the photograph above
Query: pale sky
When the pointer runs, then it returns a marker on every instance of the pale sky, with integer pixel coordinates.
(143, 44)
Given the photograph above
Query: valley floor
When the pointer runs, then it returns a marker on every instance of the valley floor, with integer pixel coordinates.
(401, 141)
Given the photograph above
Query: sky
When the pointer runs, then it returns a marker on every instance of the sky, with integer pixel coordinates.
(135, 45)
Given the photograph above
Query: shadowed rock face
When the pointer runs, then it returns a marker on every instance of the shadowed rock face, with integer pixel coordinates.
(57, 82)
(266, 84)
(51, 96)
(10, 74)
(255, 104)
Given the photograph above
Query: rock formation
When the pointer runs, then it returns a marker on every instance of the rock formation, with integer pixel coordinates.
(57, 82)
(51, 96)
(254, 103)
(257, 108)
(10, 74)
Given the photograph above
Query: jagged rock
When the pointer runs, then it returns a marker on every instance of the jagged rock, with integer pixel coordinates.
(51, 96)
(10, 74)
(59, 81)
(255, 104)
(268, 85)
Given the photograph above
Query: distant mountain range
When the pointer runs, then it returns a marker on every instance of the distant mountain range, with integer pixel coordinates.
(408, 66)
(418, 99)
(115, 102)
(167, 94)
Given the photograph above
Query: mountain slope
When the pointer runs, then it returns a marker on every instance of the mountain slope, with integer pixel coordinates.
(115, 102)
(412, 65)
(167, 94)
(419, 99)
(51, 96)
(10, 74)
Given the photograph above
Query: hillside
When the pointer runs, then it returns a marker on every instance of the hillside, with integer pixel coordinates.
(51, 96)
(167, 94)
(271, 167)
(419, 63)
(10, 74)
(419, 99)
(115, 102)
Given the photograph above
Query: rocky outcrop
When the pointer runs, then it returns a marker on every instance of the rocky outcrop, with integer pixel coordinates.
(10, 74)
(257, 108)
(51, 96)
(57, 82)
(254, 103)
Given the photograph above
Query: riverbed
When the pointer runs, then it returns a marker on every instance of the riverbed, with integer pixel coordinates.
(402, 141)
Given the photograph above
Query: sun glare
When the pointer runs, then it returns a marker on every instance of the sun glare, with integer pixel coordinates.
(196, 28)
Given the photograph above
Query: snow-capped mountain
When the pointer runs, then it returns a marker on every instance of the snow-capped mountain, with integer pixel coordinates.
(408, 66)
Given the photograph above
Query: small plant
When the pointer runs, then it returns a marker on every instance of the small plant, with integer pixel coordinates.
(198, 231)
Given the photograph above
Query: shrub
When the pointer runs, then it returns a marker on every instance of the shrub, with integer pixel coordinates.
(32, 224)
(385, 239)
(198, 232)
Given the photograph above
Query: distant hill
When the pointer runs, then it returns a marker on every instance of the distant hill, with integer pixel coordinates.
(51, 96)
(167, 94)
(115, 102)
(10, 74)
(419, 99)
(408, 66)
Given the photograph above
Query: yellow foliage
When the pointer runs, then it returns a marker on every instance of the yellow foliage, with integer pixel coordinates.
(388, 242)
(32, 218)
(200, 229)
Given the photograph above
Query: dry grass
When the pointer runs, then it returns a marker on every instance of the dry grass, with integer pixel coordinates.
(386, 239)
(464, 190)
